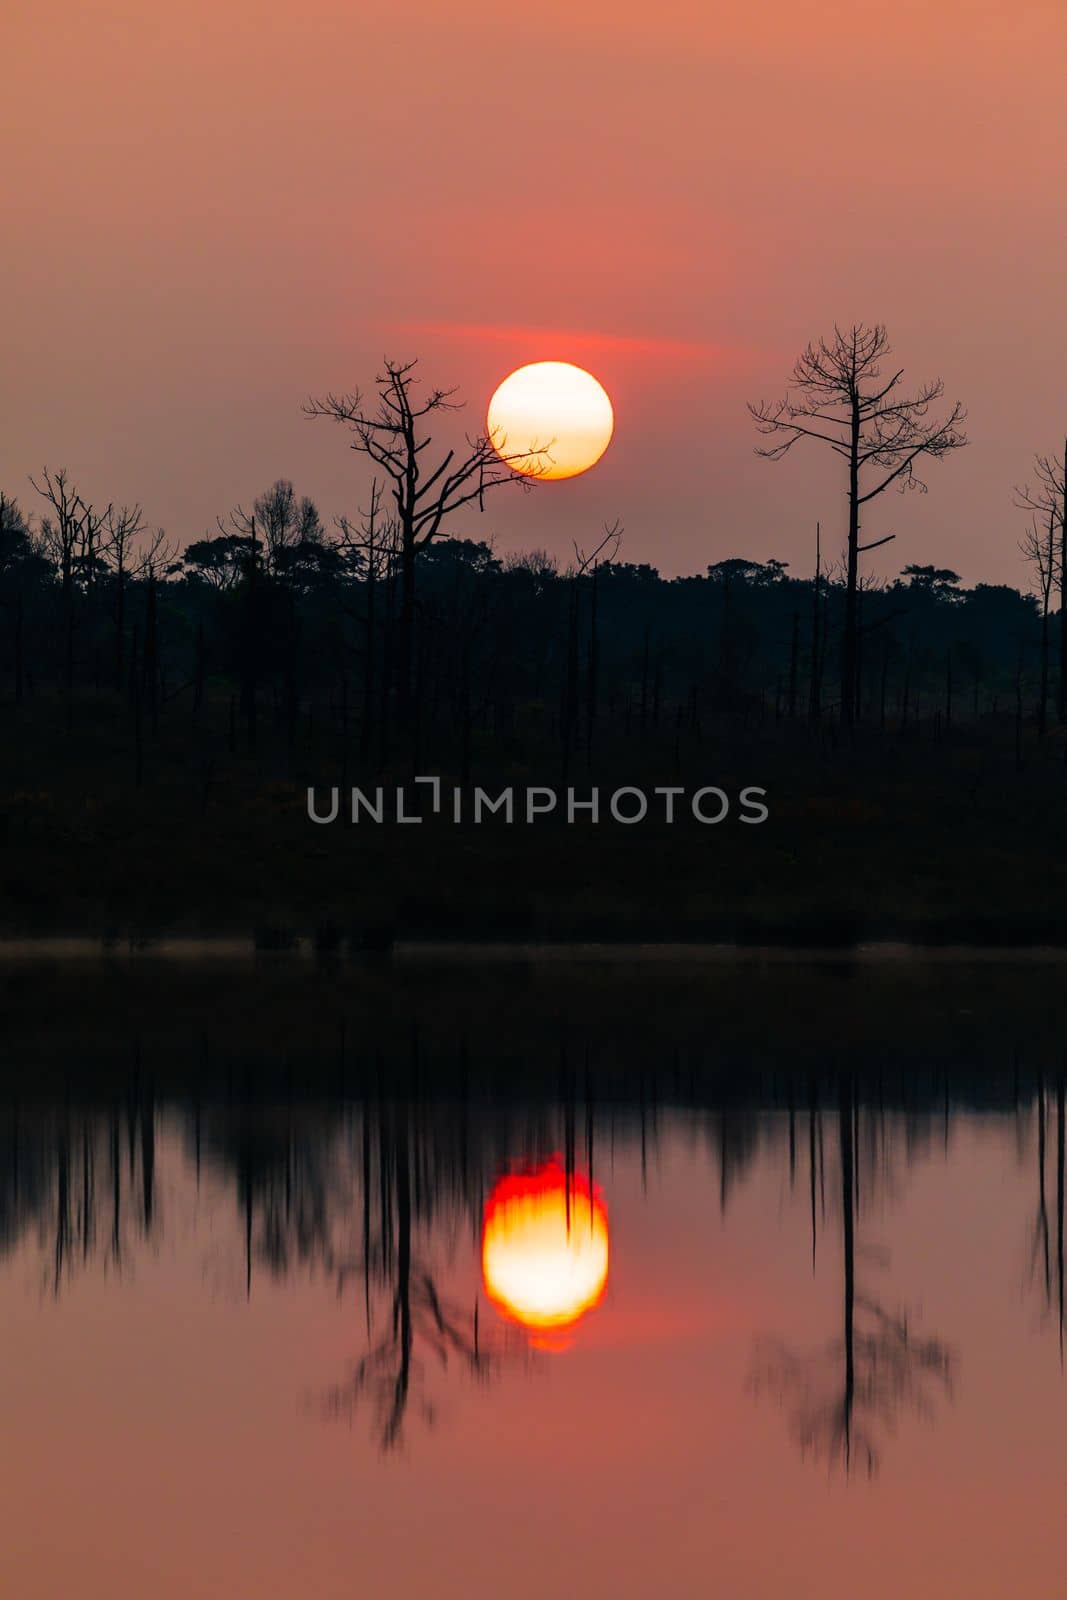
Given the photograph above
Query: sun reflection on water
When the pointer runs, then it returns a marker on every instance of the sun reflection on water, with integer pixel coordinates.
(545, 1249)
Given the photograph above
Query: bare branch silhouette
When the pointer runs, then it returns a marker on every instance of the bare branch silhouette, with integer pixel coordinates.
(843, 399)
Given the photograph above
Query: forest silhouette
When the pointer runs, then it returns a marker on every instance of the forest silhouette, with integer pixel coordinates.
(167, 708)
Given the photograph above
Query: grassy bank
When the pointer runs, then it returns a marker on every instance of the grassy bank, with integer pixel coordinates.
(944, 840)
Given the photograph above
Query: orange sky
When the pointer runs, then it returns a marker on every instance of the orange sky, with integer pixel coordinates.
(215, 209)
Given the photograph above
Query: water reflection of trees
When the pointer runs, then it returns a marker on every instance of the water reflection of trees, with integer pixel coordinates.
(1047, 1234)
(82, 1183)
(422, 1325)
(374, 1192)
(844, 1398)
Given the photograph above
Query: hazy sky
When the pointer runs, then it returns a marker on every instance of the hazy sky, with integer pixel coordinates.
(213, 209)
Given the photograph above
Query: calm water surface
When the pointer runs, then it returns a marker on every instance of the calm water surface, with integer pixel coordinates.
(802, 1338)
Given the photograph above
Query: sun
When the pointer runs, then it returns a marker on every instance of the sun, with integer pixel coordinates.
(545, 1247)
(550, 420)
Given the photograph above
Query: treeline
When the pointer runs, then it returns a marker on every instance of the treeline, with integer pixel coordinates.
(277, 615)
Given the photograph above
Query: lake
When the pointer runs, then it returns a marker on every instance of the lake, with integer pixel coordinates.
(322, 1279)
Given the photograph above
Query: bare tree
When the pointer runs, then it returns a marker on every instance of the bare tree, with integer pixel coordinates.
(157, 558)
(391, 427)
(70, 538)
(586, 565)
(69, 533)
(1048, 501)
(284, 523)
(369, 547)
(541, 566)
(124, 527)
(1038, 547)
(842, 399)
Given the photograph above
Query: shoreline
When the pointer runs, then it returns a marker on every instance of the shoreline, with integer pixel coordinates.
(305, 949)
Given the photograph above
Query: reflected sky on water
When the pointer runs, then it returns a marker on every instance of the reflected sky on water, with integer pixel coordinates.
(404, 1346)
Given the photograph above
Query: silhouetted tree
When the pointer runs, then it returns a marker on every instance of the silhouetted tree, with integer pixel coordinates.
(1048, 501)
(69, 536)
(845, 401)
(370, 549)
(124, 527)
(1038, 546)
(391, 428)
